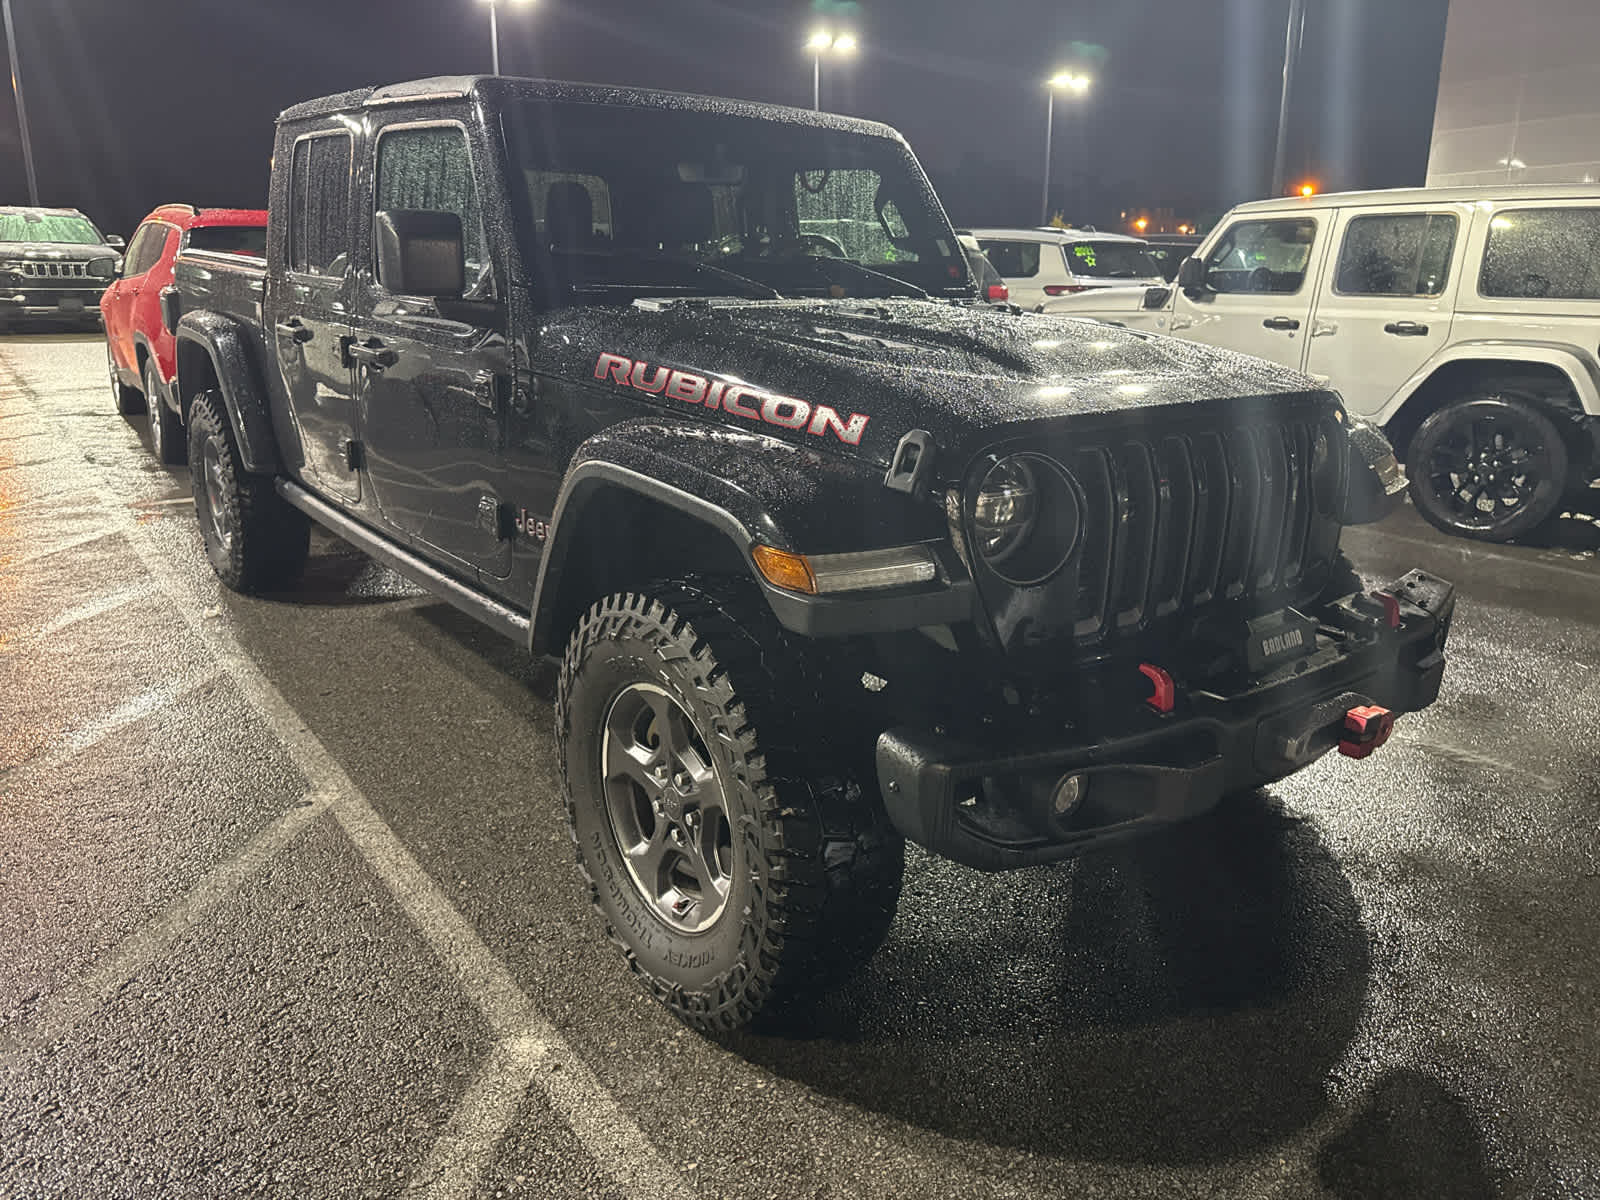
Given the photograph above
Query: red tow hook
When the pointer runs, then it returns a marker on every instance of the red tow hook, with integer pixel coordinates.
(1165, 690)
(1369, 727)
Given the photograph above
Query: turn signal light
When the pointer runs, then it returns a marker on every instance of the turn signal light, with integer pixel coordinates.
(784, 569)
(999, 291)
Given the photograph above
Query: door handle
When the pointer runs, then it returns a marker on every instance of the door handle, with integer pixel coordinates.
(1280, 323)
(1406, 329)
(371, 354)
(486, 390)
(295, 330)
(1323, 328)
(1180, 323)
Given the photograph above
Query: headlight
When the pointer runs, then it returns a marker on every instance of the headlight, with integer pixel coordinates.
(1026, 519)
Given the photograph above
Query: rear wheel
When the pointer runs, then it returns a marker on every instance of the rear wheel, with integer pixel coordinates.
(731, 865)
(256, 540)
(127, 399)
(166, 431)
(1492, 466)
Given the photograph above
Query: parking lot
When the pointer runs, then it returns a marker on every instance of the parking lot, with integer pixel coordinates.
(288, 906)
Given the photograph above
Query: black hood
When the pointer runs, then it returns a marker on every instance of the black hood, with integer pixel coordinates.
(965, 373)
(54, 252)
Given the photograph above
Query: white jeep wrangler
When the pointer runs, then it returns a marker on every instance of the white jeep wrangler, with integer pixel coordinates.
(1465, 322)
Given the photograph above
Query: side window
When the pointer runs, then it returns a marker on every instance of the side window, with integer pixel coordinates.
(1014, 260)
(430, 170)
(1543, 253)
(145, 249)
(1262, 256)
(319, 205)
(1396, 254)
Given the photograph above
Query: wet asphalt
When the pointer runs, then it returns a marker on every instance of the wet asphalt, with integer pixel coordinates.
(287, 907)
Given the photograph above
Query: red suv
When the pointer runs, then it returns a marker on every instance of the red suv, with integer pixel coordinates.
(139, 350)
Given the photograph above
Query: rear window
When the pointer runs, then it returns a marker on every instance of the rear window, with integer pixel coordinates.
(1014, 260)
(1110, 260)
(230, 239)
(1543, 253)
(319, 204)
(1396, 254)
(982, 269)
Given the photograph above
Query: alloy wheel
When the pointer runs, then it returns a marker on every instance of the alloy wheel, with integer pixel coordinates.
(1488, 469)
(216, 494)
(666, 808)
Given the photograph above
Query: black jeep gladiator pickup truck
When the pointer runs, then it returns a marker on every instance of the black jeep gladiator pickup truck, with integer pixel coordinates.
(699, 395)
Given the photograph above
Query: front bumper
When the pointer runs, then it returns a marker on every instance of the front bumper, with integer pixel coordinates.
(63, 303)
(995, 802)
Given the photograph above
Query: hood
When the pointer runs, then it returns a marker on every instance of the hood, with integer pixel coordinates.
(962, 372)
(55, 252)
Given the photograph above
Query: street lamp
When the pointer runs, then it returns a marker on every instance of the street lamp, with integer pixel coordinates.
(22, 113)
(1060, 81)
(823, 41)
(494, 28)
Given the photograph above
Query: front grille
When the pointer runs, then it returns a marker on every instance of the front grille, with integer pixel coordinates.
(55, 270)
(1177, 524)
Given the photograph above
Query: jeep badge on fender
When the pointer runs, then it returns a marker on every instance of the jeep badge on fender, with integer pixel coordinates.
(833, 554)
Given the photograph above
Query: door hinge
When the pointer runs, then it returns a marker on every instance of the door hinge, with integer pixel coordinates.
(496, 518)
(355, 456)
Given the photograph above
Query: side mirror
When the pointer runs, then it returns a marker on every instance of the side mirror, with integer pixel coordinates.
(420, 253)
(115, 241)
(1192, 275)
(104, 268)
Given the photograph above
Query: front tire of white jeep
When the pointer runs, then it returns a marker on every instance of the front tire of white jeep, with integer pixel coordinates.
(729, 868)
(1491, 466)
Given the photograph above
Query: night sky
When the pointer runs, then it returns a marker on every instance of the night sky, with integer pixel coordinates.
(135, 104)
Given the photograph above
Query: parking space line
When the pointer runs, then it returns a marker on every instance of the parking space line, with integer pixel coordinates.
(466, 1148)
(60, 547)
(1466, 552)
(96, 608)
(55, 1015)
(132, 711)
(615, 1143)
(1477, 758)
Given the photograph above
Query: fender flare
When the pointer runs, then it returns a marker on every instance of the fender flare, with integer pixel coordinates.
(225, 343)
(1578, 365)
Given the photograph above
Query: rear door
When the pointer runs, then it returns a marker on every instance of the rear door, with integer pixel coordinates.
(1385, 308)
(312, 315)
(1260, 277)
(1019, 264)
(431, 388)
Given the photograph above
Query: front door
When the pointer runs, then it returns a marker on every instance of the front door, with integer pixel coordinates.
(311, 313)
(1259, 283)
(432, 389)
(1385, 307)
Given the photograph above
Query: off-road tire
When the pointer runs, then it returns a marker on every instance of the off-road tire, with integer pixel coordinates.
(1491, 406)
(818, 869)
(129, 401)
(267, 539)
(167, 440)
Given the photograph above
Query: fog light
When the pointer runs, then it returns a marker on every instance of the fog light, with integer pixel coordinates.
(1068, 794)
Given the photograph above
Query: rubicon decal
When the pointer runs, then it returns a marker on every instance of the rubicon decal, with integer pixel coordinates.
(753, 404)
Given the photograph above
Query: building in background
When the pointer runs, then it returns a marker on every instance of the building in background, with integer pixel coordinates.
(1519, 94)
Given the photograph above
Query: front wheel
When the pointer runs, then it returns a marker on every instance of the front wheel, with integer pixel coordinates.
(255, 539)
(1492, 466)
(729, 868)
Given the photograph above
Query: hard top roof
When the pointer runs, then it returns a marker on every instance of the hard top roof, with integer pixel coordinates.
(1451, 195)
(1040, 234)
(501, 88)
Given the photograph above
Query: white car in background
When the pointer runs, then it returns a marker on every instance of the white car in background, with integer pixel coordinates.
(1039, 265)
(1463, 321)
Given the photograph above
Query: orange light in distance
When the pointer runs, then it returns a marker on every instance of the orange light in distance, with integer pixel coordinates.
(1308, 189)
(784, 569)
(1141, 224)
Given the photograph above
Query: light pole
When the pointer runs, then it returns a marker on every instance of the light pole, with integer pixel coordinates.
(494, 29)
(1291, 55)
(821, 42)
(22, 113)
(1077, 85)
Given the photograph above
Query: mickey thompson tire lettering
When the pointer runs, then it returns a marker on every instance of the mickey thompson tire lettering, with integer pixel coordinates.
(817, 867)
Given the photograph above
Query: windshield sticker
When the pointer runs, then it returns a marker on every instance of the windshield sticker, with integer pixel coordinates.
(740, 399)
(1086, 253)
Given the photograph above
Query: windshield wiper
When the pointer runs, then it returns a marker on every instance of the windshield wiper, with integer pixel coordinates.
(764, 291)
(752, 289)
(904, 288)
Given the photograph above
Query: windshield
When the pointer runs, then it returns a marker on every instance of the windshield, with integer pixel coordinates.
(48, 227)
(621, 202)
(1110, 260)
